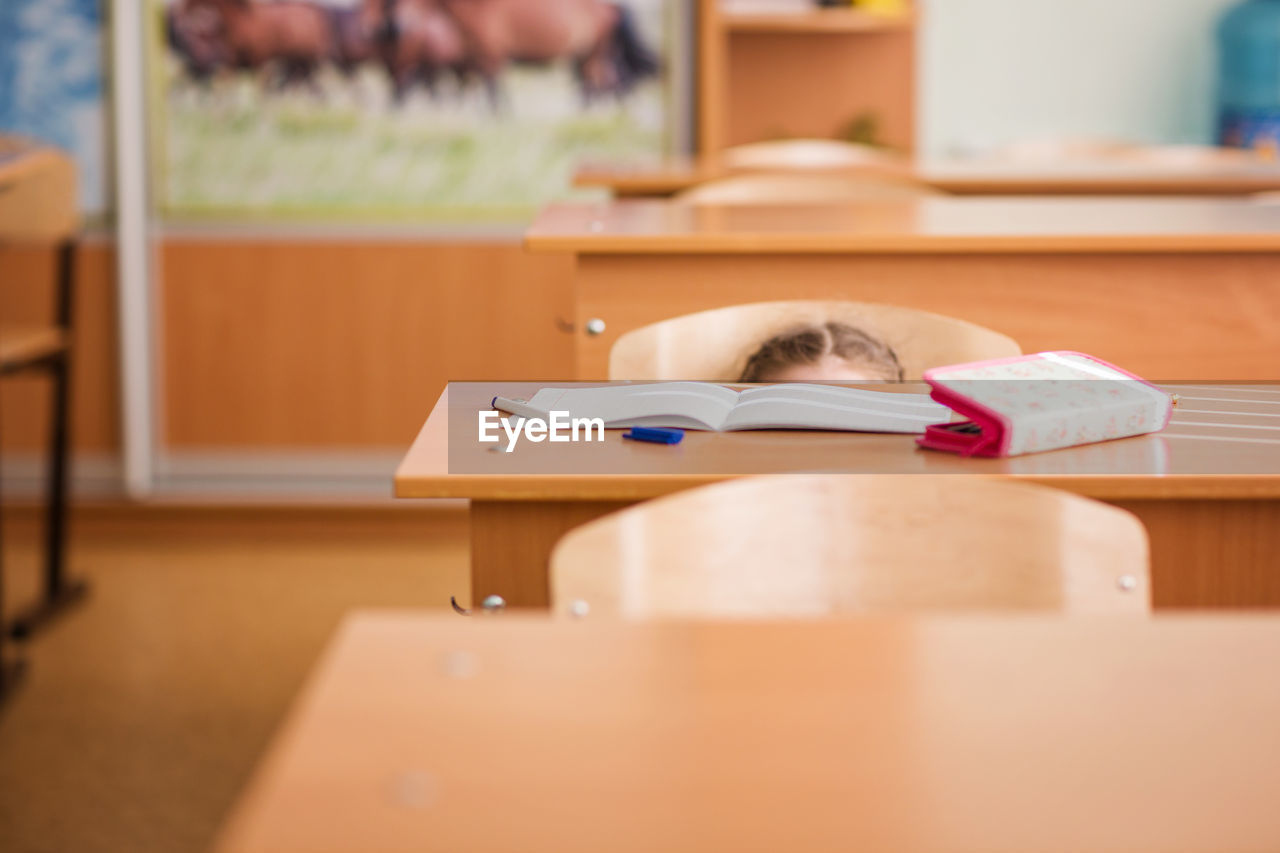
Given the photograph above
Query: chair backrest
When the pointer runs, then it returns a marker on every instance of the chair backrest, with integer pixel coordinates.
(814, 154)
(803, 188)
(714, 345)
(816, 545)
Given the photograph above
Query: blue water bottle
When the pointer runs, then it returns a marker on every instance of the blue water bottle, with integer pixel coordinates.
(1249, 84)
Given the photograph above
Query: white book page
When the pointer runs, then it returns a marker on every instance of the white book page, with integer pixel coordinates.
(801, 406)
(684, 405)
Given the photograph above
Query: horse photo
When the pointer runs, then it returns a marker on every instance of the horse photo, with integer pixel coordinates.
(410, 107)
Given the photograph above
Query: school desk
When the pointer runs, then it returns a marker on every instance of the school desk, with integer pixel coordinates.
(37, 192)
(512, 734)
(38, 205)
(1207, 487)
(1172, 171)
(983, 177)
(1168, 288)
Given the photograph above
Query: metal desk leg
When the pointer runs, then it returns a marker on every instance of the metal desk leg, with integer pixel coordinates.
(59, 591)
(11, 669)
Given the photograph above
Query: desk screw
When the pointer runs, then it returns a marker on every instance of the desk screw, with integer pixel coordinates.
(595, 326)
(1127, 583)
(493, 604)
(461, 665)
(414, 789)
(579, 609)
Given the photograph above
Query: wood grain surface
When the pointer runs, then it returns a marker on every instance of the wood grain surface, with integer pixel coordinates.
(953, 225)
(502, 734)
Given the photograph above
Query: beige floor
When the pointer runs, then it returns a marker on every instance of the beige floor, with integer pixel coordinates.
(145, 709)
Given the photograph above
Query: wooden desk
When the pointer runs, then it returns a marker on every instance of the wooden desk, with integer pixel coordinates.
(1208, 487)
(1160, 173)
(979, 178)
(1172, 289)
(423, 734)
(38, 204)
(37, 192)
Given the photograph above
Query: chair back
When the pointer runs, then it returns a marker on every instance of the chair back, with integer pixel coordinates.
(803, 188)
(818, 545)
(714, 345)
(827, 155)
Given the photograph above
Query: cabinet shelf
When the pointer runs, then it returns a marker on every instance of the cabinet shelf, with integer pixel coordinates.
(816, 21)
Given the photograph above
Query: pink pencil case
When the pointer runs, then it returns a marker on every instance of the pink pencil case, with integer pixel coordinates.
(1043, 401)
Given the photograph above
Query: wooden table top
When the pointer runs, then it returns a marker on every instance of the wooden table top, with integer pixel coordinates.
(19, 156)
(420, 733)
(22, 158)
(927, 225)
(1162, 174)
(984, 177)
(37, 192)
(1222, 442)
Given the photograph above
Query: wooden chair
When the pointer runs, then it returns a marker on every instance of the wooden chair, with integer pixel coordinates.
(825, 155)
(714, 345)
(823, 544)
(38, 205)
(803, 188)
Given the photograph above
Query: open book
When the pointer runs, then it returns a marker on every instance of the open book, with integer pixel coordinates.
(704, 405)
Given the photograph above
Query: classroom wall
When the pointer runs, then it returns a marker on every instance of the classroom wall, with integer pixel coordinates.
(993, 72)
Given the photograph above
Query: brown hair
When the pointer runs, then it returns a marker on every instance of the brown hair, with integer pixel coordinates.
(810, 344)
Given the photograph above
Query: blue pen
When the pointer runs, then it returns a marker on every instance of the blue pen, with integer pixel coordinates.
(655, 435)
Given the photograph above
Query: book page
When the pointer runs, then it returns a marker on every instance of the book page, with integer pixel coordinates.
(802, 406)
(684, 405)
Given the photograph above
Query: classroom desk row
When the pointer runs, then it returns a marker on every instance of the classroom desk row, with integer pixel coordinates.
(1171, 289)
(1207, 487)
(522, 733)
(421, 733)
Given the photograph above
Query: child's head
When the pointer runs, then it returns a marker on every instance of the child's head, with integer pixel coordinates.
(830, 351)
